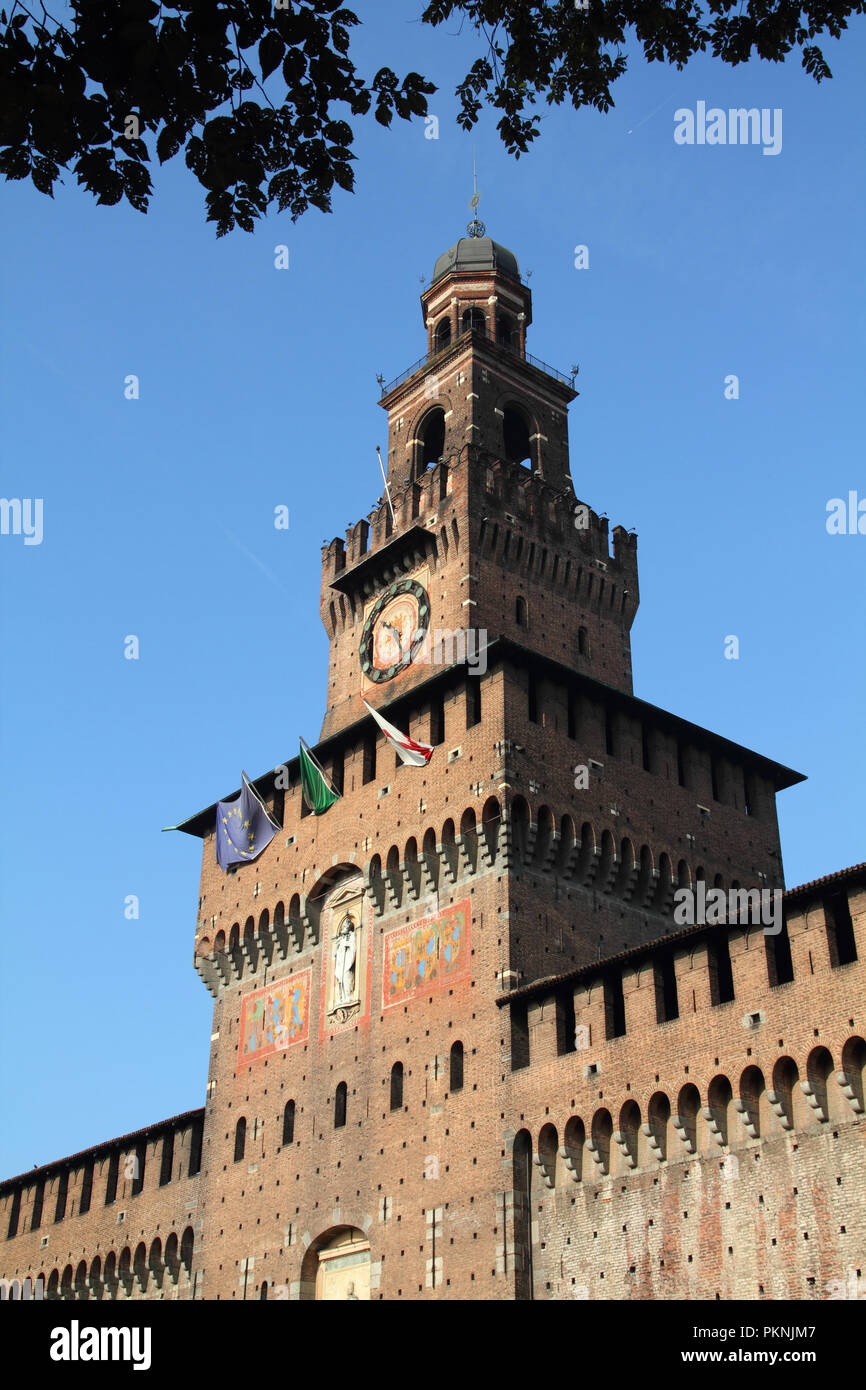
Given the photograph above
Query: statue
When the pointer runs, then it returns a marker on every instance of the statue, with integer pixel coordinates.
(345, 952)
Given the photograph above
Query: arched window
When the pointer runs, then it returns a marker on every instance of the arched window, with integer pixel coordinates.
(455, 1079)
(289, 1123)
(263, 1291)
(442, 334)
(515, 436)
(472, 319)
(505, 331)
(431, 436)
(397, 1086)
(520, 611)
(240, 1139)
(340, 1106)
(582, 642)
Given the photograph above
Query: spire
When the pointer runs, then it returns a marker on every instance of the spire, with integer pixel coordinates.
(476, 227)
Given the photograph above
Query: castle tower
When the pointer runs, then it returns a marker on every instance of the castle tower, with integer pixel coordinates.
(359, 965)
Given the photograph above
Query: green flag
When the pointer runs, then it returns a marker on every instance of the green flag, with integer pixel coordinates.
(315, 787)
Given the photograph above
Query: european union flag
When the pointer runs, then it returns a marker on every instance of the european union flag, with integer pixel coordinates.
(243, 827)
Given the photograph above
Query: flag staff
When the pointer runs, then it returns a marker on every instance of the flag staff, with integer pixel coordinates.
(387, 487)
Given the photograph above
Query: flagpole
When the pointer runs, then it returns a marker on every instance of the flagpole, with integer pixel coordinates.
(245, 780)
(387, 487)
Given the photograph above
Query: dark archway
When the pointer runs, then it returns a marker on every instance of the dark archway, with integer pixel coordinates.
(515, 436)
(431, 439)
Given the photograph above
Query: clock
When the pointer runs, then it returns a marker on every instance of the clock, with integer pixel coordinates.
(395, 630)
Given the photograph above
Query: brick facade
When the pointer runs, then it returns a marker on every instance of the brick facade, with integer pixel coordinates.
(571, 1096)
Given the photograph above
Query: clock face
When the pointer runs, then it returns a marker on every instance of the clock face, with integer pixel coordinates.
(395, 630)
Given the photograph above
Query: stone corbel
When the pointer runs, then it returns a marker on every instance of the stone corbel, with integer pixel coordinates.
(779, 1109)
(591, 869)
(414, 872)
(546, 1174)
(375, 889)
(394, 884)
(265, 943)
(808, 1091)
(668, 897)
(651, 888)
(595, 1154)
(531, 835)
(652, 1139)
(208, 972)
(680, 1125)
(569, 868)
(570, 1165)
(307, 932)
(280, 936)
(846, 1085)
(611, 876)
(249, 950)
(449, 867)
(224, 966)
(621, 1141)
(713, 1125)
(750, 1121)
(630, 883)
(430, 879)
(463, 843)
(552, 850)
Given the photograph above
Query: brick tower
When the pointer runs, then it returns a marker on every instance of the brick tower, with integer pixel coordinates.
(357, 1123)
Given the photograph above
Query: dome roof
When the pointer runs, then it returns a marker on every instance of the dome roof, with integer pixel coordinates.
(476, 253)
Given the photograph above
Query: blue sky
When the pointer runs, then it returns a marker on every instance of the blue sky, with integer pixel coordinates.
(258, 388)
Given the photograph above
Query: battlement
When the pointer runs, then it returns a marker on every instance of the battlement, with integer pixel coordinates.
(115, 1220)
(667, 990)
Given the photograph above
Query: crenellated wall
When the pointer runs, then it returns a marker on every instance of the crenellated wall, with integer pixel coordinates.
(120, 1220)
(717, 1154)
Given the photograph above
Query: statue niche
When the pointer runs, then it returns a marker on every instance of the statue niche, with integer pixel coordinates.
(346, 952)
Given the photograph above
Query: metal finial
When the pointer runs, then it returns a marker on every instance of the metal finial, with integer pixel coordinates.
(476, 227)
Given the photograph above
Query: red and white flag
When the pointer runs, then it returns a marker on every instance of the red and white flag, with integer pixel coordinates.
(418, 754)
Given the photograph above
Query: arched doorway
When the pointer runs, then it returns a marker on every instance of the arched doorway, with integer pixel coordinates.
(337, 1266)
